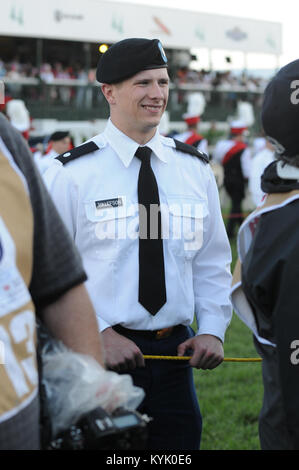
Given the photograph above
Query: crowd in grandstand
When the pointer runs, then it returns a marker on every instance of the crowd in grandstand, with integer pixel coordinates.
(48, 72)
(16, 70)
(225, 80)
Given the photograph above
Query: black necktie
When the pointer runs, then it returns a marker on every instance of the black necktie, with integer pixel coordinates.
(152, 290)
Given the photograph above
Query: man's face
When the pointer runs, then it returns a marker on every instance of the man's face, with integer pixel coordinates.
(61, 146)
(137, 104)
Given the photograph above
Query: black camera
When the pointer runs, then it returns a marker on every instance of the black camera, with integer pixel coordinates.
(97, 430)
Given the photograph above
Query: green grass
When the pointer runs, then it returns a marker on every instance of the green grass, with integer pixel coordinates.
(230, 396)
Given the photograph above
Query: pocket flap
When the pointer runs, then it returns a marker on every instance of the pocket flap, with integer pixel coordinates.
(192, 208)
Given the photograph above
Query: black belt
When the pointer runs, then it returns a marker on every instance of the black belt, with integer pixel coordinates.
(150, 334)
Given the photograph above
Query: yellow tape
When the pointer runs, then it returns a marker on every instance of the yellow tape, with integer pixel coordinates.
(187, 358)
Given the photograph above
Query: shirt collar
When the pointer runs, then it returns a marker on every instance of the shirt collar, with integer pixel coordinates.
(125, 147)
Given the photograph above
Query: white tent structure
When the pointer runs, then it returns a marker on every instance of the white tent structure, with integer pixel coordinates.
(109, 21)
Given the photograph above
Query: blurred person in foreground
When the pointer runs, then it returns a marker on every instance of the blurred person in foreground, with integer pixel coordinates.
(41, 275)
(265, 290)
(234, 155)
(147, 283)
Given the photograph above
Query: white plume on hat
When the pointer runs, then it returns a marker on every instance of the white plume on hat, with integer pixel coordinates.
(238, 124)
(245, 113)
(196, 105)
(18, 115)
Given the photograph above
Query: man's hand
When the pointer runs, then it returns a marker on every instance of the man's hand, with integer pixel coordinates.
(121, 354)
(207, 351)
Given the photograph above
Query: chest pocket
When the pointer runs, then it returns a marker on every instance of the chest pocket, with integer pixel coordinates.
(186, 225)
(110, 228)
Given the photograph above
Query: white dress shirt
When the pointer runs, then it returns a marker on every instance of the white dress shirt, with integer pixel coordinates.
(96, 195)
(44, 161)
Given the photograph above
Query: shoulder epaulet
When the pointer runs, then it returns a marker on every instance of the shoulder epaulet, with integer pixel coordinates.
(186, 148)
(77, 152)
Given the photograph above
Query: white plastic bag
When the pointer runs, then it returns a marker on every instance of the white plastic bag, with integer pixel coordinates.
(76, 384)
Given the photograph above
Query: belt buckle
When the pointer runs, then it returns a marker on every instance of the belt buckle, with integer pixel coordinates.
(164, 333)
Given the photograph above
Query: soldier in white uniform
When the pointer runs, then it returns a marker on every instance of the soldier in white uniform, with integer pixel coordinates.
(99, 190)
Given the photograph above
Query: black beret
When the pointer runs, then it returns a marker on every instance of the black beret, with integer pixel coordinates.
(280, 110)
(59, 135)
(126, 58)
